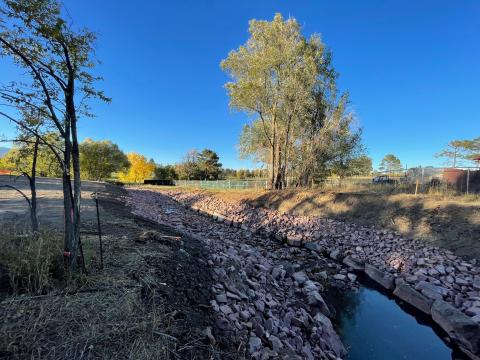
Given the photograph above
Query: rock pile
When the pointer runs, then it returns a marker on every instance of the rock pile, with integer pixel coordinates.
(435, 272)
(431, 279)
(266, 297)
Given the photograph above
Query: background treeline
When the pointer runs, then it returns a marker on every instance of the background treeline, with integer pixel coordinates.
(104, 160)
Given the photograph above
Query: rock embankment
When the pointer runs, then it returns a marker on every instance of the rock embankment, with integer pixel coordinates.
(422, 275)
(267, 298)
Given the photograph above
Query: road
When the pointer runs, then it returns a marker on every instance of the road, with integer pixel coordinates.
(13, 206)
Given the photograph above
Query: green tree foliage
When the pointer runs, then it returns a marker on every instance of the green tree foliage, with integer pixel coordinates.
(390, 163)
(287, 82)
(20, 157)
(99, 159)
(165, 172)
(459, 150)
(359, 166)
(188, 169)
(243, 174)
(209, 165)
(199, 166)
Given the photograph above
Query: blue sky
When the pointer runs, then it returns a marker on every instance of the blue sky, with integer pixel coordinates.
(412, 69)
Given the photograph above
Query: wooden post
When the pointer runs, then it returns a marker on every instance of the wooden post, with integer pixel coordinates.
(423, 176)
(416, 188)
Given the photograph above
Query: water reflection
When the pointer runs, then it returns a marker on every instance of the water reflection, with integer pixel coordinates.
(373, 326)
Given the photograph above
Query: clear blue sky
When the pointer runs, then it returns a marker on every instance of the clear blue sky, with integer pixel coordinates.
(412, 69)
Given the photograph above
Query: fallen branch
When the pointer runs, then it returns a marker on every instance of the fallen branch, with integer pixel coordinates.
(165, 335)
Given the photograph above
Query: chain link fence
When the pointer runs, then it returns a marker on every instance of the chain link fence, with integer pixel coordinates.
(465, 180)
(429, 179)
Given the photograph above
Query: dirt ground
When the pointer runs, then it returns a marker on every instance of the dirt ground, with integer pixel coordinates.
(453, 223)
(49, 194)
(150, 301)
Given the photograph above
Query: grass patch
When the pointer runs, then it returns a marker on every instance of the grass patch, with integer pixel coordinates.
(32, 264)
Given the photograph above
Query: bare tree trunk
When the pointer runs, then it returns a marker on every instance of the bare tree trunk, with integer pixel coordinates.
(278, 164)
(77, 193)
(273, 157)
(33, 189)
(69, 232)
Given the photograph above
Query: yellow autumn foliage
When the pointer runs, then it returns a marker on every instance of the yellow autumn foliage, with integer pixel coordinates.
(140, 169)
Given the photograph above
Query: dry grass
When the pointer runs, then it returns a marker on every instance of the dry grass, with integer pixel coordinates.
(85, 326)
(120, 312)
(34, 264)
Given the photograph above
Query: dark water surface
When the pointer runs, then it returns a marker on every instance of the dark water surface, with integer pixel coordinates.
(374, 327)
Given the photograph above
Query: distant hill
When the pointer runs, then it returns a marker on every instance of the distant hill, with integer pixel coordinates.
(3, 151)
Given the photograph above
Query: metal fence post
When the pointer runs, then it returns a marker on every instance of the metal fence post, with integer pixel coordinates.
(468, 179)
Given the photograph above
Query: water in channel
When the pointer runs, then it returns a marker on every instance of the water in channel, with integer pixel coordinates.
(375, 327)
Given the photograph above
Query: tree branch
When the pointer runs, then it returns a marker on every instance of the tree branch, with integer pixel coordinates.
(19, 191)
(34, 133)
(39, 77)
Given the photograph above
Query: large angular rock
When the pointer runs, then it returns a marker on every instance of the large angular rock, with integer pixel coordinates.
(383, 279)
(294, 241)
(336, 255)
(457, 325)
(300, 277)
(254, 344)
(315, 300)
(353, 263)
(312, 246)
(431, 291)
(413, 297)
(329, 335)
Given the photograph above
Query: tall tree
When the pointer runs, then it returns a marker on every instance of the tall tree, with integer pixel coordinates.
(273, 74)
(355, 166)
(302, 127)
(209, 165)
(453, 151)
(390, 163)
(139, 170)
(99, 159)
(188, 168)
(57, 62)
(458, 150)
(165, 172)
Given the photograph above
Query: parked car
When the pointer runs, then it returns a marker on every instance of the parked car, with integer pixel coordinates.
(383, 179)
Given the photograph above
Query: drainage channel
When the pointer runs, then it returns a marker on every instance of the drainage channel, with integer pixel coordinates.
(375, 326)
